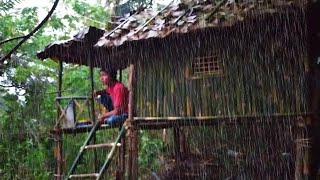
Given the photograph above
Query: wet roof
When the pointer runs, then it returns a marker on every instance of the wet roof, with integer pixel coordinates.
(181, 18)
(108, 46)
(74, 50)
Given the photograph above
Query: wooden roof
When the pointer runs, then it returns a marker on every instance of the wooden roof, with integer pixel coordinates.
(126, 36)
(75, 50)
(182, 18)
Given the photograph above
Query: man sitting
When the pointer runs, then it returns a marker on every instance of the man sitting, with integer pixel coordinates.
(114, 98)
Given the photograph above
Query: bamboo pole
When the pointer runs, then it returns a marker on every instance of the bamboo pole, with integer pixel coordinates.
(122, 151)
(59, 85)
(312, 124)
(90, 59)
(121, 159)
(121, 155)
(132, 131)
(57, 129)
(301, 152)
(176, 140)
(58, 153)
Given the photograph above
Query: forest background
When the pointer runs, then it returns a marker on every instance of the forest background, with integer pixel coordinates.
(28, 85)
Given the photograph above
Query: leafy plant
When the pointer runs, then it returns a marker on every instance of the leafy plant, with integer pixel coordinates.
(27, 90)
(149, 151)
(6, 5)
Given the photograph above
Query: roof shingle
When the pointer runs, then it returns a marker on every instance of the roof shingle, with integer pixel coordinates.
(181, 18)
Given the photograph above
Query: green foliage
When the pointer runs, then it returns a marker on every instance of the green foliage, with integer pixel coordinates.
(138, 3)
(55, 22)
(28, 110)
(6, 5)
(132, 5)
(150, 150)
(92, 15)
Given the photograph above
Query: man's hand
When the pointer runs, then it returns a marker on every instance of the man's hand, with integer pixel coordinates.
(101, 118)
(97, 93)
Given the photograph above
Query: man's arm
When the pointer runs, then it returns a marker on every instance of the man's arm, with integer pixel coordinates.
(103, 116)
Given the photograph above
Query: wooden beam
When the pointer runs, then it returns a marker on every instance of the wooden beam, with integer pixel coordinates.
(132, 131)
(84, 129)
(169, 122)
(217, 118)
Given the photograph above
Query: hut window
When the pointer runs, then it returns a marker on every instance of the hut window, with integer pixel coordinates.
(204, 66)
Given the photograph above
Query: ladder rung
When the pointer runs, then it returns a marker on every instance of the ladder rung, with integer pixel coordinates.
(84, 175)
(92, 146)
(105, 125)
(58, 176)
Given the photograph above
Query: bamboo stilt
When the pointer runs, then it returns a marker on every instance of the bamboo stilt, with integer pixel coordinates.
(58, 132)
(300, 168)
(121, 159)
(121, 154)
(312, 123)
(58, 153)
(92, 110)
(132, 131)
(176, 139)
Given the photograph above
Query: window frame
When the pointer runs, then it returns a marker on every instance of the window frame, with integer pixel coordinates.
(216, 69)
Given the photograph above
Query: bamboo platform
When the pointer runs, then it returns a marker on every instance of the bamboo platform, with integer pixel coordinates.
(170, 122)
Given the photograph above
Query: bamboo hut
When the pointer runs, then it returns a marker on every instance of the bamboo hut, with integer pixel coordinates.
(251, 64)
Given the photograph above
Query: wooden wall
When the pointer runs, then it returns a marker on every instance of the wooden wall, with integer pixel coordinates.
(264, 70)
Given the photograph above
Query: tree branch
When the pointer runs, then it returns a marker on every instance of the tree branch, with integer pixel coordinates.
(14, 85)
(31, 33)
(11, 39)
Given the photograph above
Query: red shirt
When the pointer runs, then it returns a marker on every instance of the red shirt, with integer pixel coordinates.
(119, 95)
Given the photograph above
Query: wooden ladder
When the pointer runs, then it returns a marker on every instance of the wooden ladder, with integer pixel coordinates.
(86, 146)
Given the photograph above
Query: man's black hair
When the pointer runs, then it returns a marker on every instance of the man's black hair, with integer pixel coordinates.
(111, 71)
